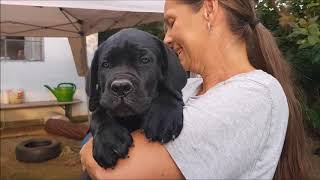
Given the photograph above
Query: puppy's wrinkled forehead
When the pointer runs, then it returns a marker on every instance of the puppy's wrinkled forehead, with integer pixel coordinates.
(131, 40)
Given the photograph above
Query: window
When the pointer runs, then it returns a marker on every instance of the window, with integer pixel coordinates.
(21, 48)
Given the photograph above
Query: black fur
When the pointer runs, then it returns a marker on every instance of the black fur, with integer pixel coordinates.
(149, 97)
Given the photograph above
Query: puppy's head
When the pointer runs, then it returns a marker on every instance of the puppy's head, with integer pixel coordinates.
(127, 71)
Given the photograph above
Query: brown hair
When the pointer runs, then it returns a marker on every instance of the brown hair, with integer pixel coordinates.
(264, 54)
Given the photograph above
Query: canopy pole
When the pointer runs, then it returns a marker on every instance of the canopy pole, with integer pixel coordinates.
(79, 51)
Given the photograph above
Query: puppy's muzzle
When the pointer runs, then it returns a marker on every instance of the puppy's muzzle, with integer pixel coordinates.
(121, 87)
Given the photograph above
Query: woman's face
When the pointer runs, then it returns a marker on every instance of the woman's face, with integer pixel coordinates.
(186, 33)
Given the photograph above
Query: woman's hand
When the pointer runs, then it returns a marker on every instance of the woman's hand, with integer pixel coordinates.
(147, 160)
(88, 163)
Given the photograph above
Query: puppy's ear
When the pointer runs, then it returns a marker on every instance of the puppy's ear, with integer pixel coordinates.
(92, 85)
(164, 120)
(174, 76)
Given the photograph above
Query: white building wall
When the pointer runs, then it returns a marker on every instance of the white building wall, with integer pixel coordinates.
(58, 66)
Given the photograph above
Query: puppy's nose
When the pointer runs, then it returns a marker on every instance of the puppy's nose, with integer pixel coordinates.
(121, 87)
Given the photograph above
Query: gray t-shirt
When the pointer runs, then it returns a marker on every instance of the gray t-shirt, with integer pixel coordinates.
(235, 130)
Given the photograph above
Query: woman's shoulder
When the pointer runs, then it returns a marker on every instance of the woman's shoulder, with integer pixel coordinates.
(252, 79)
(254, 97)
(257, 78)
(243, 92)
(257, 82)
(256, 88)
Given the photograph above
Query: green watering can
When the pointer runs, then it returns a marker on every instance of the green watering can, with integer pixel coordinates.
(63, 92)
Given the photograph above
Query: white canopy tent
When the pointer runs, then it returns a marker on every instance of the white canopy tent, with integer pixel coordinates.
(75, 20)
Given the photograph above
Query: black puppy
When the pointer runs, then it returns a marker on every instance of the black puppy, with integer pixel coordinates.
(135, 83)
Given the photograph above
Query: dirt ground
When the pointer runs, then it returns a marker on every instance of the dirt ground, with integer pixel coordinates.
(67, 165)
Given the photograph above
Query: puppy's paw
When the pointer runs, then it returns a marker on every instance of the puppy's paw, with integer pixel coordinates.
(163, 123)
(110, 144)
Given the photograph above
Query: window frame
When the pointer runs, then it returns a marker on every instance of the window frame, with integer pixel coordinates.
(24, 40)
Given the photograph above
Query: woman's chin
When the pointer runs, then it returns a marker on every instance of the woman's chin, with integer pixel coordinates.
(183, 65)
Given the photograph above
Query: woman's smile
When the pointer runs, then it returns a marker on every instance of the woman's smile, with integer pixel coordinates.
(178, 50)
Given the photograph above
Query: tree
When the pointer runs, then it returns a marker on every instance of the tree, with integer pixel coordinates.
(295, 24)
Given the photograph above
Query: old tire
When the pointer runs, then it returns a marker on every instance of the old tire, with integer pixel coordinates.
(37, 150)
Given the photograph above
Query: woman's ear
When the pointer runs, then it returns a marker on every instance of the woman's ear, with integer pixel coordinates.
(210, 8)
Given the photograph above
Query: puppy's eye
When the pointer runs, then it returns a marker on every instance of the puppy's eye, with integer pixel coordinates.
(145, 60)
(105, 64)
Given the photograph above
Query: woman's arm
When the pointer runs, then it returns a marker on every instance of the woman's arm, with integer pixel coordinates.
(147, 160)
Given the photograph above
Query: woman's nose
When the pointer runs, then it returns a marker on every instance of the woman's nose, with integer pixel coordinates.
(168, 40)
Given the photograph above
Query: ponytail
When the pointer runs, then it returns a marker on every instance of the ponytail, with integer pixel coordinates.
(293, 160)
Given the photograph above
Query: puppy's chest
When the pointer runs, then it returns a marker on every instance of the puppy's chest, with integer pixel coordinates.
(131, 123)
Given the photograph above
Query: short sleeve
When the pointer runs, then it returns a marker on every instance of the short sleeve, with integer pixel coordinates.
(224, 131)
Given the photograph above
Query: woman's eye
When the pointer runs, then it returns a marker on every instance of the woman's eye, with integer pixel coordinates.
(145, 60)
(171, 23)
(105, 64)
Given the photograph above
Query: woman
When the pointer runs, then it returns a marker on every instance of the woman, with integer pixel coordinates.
(241, 119)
